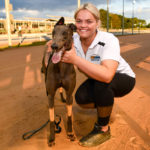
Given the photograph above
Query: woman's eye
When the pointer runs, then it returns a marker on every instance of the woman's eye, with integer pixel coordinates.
(89, 21)
(78, 21)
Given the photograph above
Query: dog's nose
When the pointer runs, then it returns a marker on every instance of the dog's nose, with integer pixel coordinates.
(54, 46)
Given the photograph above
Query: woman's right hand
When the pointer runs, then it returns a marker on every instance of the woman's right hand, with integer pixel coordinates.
(70, 56)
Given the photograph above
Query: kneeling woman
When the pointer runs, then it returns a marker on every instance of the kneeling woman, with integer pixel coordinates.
(97, 54)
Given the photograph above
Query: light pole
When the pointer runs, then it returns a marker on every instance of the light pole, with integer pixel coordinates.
(78, 3)
(123, 19)
(133, 2)
(107, 15)
(7, 7)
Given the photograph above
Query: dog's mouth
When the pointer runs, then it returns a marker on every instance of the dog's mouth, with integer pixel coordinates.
(57, 56)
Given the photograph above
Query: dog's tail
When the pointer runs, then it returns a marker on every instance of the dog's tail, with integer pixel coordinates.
(61, 95)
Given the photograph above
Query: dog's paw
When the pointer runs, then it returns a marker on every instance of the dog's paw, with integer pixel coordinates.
(71, 136)
(51, 143)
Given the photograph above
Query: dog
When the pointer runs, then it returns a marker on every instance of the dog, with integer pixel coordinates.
(59, 74)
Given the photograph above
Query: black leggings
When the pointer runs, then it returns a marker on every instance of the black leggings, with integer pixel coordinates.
(102, 94)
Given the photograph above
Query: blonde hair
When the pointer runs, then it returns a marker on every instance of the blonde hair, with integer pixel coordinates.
(91, 8)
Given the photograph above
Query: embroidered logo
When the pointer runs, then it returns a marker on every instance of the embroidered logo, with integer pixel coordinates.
(95, 58)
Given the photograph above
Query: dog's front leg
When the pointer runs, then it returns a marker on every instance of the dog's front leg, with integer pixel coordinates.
(69, 101)
(51, 140)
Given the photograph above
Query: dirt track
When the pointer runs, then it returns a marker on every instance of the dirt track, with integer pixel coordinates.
(23, 102)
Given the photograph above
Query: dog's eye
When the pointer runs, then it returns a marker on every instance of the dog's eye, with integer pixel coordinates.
(64, 33)
(64, 38)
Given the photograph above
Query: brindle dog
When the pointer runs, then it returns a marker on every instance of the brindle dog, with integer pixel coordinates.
(59, 74)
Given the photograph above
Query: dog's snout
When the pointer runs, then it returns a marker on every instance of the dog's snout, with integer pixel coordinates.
(54, 46)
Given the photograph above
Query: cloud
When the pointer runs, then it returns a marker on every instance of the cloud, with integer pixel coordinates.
(23, 12)
(144, 13)
(43, 4)
(2, 11)
(51, 4)
(42, 8)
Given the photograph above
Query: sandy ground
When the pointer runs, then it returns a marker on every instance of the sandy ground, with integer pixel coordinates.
(23, 102)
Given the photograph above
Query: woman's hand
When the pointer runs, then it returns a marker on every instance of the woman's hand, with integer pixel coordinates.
(70, 56)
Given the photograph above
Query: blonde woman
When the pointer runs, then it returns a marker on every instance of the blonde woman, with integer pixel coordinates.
(97, 54)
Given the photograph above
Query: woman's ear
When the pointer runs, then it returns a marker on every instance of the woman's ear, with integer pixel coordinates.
(98, 24)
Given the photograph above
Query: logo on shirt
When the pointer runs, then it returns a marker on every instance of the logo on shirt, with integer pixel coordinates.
(95, 58)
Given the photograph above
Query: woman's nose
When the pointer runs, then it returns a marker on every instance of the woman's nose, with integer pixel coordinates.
(83, 24)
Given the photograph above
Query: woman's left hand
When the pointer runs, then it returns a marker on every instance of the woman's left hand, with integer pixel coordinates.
(69, 56)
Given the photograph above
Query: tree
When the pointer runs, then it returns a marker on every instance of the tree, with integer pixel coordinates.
(142, 23)
(103, 17)
(127, 23)
(148, 26)
(115, 21)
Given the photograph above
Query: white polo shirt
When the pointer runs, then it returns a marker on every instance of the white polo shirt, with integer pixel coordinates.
(105, 46)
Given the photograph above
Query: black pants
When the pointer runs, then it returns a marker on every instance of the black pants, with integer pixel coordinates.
(102, 94)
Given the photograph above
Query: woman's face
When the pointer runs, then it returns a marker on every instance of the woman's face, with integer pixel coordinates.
(86, 24)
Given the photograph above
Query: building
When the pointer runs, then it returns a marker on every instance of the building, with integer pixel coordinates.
(32, 25)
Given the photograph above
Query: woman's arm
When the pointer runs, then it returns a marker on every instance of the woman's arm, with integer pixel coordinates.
(103, 72)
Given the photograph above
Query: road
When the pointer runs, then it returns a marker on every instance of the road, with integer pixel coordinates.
(23, 102)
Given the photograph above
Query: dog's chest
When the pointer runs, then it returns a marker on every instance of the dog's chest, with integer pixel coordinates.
(61, 71)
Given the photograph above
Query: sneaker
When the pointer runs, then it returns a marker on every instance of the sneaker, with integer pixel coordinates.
(95, 137)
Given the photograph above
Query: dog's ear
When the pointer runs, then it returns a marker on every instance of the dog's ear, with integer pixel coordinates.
(61, 21)
(72, 27)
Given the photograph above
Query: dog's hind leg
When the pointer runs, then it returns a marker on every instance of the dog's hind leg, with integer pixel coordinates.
(51, 140)
(70, 134)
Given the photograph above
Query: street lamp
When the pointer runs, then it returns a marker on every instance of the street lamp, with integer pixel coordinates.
(133, 2)
(8, 8)
(123, 19)
(107, 15)
(78, 3)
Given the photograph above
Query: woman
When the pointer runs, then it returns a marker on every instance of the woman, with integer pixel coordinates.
(97, 54)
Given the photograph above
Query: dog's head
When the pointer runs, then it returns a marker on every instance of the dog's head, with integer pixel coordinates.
(61, 39)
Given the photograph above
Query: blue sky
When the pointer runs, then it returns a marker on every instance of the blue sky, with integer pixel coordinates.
(66, 8)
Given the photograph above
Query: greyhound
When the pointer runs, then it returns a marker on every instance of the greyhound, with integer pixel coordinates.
(59, 74)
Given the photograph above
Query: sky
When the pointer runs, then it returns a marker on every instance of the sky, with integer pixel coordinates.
(66, 8)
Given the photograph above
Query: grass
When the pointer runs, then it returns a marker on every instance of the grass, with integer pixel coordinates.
(37, 43)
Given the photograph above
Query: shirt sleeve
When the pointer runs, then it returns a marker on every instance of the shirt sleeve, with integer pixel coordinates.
(111, 49)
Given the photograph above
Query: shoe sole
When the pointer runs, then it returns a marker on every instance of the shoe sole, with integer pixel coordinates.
(83, 145)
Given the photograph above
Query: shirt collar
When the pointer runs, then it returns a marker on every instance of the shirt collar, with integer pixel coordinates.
(96, 40)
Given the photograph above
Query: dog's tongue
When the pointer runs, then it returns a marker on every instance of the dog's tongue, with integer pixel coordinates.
(56, 57)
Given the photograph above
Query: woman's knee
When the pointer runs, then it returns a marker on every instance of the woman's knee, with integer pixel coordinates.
(122, 84)
(104, 97)
(77, 98)
(80, 98)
